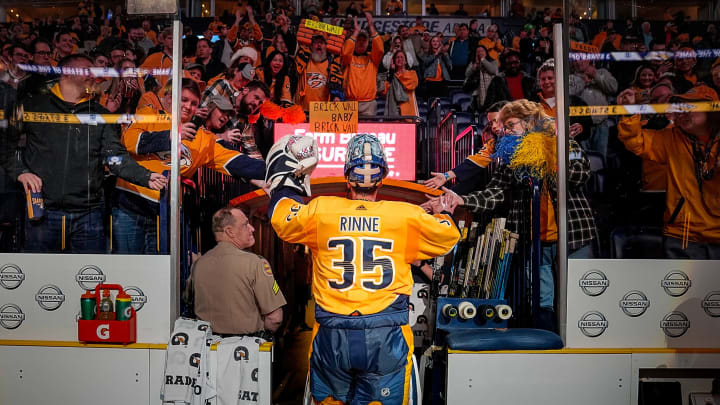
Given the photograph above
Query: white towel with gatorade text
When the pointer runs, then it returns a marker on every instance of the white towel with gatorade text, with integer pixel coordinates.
(186, 362)
(237, 370)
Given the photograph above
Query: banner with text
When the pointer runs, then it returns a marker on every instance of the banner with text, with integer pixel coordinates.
(432, 24)
(398, 139)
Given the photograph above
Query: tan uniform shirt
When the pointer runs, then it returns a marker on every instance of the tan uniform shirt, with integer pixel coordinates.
(233, 289)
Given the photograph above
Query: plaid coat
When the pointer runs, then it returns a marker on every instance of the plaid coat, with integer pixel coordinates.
(505, 186)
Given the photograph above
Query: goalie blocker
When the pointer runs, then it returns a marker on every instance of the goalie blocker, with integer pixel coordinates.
(290, 162)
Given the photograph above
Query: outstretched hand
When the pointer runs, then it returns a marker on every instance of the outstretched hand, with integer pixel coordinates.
(443, 203)
(436, 181)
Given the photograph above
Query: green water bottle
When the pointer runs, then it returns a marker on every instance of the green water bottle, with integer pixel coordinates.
(87, 306)
(123, 306)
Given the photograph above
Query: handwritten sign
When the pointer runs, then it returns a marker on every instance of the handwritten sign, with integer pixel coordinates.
(336, 117)
(324, 27)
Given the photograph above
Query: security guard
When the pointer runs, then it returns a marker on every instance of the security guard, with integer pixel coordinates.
(235, 289)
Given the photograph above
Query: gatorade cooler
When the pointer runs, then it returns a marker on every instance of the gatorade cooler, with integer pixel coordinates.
(108, 331)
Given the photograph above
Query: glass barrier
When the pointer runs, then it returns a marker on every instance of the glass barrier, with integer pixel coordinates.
(85, 145)
(644, 109)
(71, 149)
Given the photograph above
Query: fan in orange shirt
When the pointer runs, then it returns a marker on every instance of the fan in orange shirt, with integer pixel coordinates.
(360, 68)
(163, 59)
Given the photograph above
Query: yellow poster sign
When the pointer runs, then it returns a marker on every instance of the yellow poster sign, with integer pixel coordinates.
(334, 117)
(324, 27)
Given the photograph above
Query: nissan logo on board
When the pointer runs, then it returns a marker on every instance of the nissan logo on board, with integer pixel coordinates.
(676, 283)
(711, 304)
(89, 276)
(634, 303)
(594, 283)
(49, 297)
(593, 324)
(675, 324)
(11, 316)
(137, 296)
(11, 276)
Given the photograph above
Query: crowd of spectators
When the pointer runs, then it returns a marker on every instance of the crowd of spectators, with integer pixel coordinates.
(241, 58)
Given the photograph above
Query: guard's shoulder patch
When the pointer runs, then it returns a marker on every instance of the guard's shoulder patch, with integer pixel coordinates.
(267, 268)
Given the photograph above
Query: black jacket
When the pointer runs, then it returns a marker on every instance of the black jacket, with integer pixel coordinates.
(498, 90)
(70, 158)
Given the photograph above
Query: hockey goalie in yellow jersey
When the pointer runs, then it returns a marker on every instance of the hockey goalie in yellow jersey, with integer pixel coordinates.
(362, 249)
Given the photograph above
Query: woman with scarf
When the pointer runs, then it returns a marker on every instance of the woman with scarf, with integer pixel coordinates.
(400, 88)
(525, 154)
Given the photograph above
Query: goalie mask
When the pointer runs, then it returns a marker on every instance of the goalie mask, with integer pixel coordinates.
(290, 162)
(365, 162)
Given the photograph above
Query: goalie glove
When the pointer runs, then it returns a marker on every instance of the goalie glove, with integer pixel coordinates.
(290, 162)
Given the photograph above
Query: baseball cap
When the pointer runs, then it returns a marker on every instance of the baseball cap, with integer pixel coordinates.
(318, 36)
(221, 102)
(697, 93)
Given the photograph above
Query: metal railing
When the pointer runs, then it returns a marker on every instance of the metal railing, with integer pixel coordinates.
(464, 144)
(443, 155)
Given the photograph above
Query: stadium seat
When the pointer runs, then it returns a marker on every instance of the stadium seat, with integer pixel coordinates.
(466, 104)
(453, 92)
(464, 117)
(456, 98)
(636, 242)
